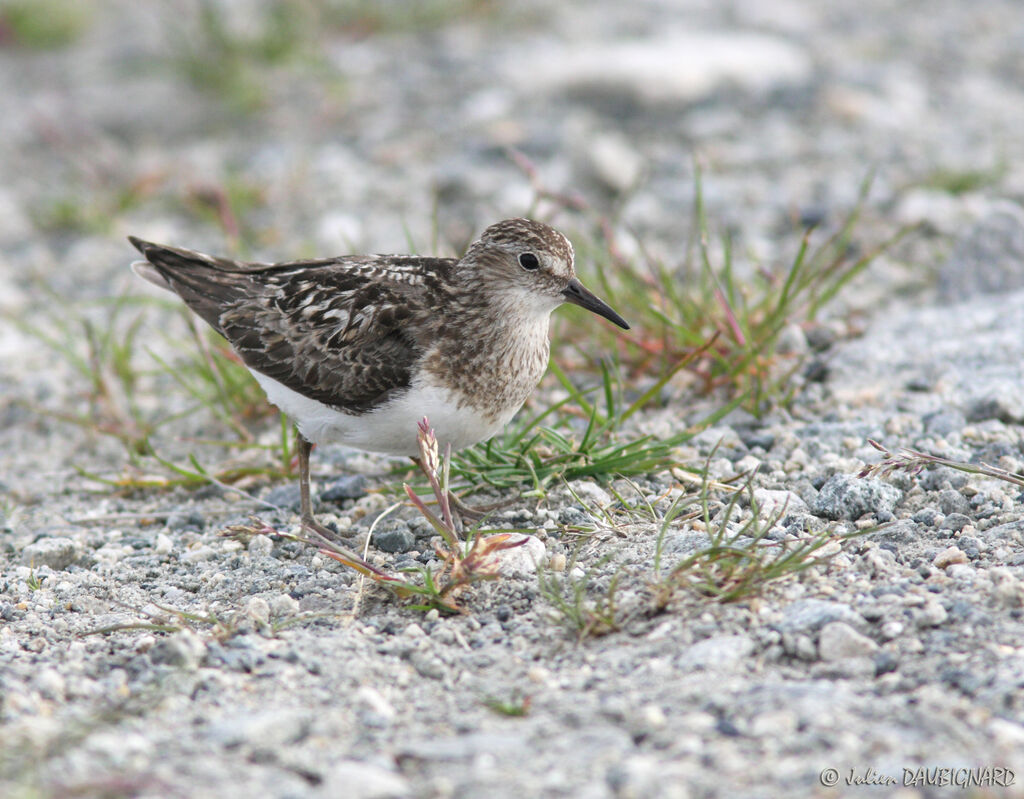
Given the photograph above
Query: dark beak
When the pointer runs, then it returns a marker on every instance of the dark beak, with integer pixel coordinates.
(579, 295)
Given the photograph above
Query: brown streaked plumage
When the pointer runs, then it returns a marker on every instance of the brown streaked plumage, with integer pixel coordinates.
(357, 349)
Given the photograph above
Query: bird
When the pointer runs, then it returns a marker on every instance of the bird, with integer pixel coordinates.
(356, 349)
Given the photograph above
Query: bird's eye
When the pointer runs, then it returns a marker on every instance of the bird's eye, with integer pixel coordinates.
(528, 260)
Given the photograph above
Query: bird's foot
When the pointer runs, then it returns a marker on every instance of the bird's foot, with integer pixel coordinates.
(474, 513)
(310, 524)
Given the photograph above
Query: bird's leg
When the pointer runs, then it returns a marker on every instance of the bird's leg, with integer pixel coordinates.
(305, 503)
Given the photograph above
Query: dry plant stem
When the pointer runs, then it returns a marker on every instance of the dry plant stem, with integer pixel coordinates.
(357, 601)
(913, 461)
(453, 509)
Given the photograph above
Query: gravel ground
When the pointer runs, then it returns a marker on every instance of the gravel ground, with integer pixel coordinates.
(895, 669)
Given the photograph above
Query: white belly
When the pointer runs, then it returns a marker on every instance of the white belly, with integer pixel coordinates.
(392, 428)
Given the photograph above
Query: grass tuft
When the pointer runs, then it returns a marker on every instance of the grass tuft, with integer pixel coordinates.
(43, 24)
(963, 181)
(575, 437)
(740, 559)
(725, 325)
(581, 610)
(117, 370)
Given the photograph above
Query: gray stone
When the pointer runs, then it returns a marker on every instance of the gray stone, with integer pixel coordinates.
(685, 542)
(1009, 533)
(462, 747)
(264, 729)
(845, 496)
(838, 641)
(951, 501)
(349, 486)
(183, 649)
(800, 646)
(944, 422)
(775, 501)
(955, 522)
(855, 668)
(286, 497)
(57, 553)
(427, 664)
(186, 520)
(396, 538)
(810, 615)
(608, 158)
(987, 259)
(1001, 401)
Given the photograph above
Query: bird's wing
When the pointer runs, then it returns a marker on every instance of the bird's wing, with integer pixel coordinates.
(339, 331)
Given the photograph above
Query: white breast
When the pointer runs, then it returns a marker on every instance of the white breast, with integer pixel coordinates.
(390, 429)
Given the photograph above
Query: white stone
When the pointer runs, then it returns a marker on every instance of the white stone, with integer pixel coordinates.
(772, 502)
(611, 160)
(720, 653)
(283, 605)
(164, 545)
(258, 610)
(678, 67)
(521, 559)
(260, 546)
(355, 779)
(838, 641)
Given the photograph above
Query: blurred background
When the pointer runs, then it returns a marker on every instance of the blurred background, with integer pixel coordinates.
(280, 130)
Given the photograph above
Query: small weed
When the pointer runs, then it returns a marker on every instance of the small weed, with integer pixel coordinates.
(516, 707)
(962, 181)
(172, 620)
(217, 58)
(117, 370)
(463, 563)
(105, 357)
(744, 317)
(92, 205)
(581, 610)
(43, 24)
(32, 581)
(913, 461)
(213, 375)
(368, 17)
(228, 205)
(740, 559)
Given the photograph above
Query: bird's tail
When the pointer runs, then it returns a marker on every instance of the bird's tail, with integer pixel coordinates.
(204, 282)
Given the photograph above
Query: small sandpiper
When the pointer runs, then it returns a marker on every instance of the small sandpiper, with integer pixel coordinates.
(357, 349)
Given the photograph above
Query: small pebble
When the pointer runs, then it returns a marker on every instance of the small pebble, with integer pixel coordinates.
(260, 546)
(948, 557)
